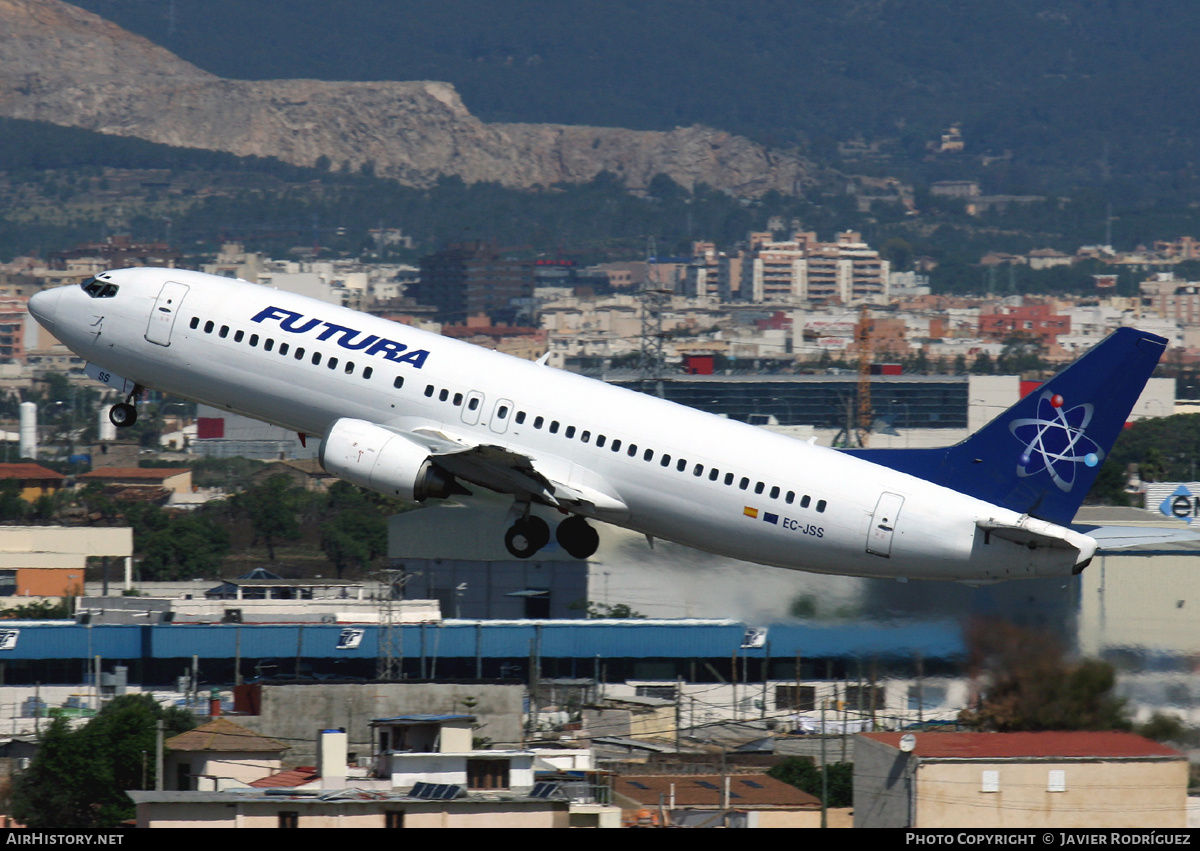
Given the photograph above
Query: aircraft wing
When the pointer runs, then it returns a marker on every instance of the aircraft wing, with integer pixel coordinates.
(1124, 537)
(505, 471)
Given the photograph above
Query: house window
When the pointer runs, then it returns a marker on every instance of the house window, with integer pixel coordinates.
(393, 818)
(487, 773)
(798, 699)
(289, 818)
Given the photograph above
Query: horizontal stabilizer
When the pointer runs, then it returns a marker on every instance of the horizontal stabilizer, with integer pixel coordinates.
(1123, 537)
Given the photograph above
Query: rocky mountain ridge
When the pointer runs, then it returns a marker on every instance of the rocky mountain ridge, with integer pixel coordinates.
(66, 66)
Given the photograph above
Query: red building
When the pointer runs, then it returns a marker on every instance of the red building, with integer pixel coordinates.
(1030, 320)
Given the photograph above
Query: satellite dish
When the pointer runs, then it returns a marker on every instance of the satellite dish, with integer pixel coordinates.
(907, 742)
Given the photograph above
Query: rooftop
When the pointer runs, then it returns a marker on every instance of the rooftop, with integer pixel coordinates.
(221, 734)
(692, 790)
(1041, 745)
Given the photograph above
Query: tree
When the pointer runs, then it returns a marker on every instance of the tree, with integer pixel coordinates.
(1033, 686)
(78, 778)
(805, 775)
(271, 507)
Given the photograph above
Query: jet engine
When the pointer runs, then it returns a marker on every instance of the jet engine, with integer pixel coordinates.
(368, 455)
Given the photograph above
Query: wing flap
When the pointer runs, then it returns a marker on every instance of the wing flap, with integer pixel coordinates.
(505, 471)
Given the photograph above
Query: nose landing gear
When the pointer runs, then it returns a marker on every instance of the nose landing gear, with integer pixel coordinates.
(124, 414)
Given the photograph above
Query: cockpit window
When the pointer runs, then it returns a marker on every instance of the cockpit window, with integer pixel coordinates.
(97, 288)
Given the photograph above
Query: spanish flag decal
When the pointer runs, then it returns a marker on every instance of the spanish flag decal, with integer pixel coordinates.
(750, 512)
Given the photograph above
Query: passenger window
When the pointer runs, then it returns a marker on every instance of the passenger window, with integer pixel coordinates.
(570, 432)
(600, 439)
(500, 414)
(398, 381)
(744, 483)
(254, 340)
(805, 500)
(586, 436)
(300, 353)
(537, 423)
(474, 403)
(238, 336)
(698, 470)
(316, 358)
(648, 455)
(367, 370)
(458, 397)
(554, 426)
(681, 465)
(775, 493)
(429, 390)
(632, 450)
(714, 474)
(349, 367)
(820, 505)
(283, 348)
(268, 344)
(616, 445)
(520, 417)
(332, 363)
(666, 461)
(224, 332)
(208, 326)
(195, 323)
(759, 487)
(729, 478)
(790, 498)
(443, 395)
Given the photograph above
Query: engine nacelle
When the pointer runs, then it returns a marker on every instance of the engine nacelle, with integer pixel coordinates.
(372, 457)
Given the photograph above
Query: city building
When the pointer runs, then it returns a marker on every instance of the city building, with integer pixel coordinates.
(1018, 781)
(219, 754)
(472, 278)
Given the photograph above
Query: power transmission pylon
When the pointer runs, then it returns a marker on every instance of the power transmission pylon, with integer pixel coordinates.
(389, 665)
(653, 298)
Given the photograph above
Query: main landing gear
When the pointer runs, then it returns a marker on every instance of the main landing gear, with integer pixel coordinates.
(530, 533)
(124, 414)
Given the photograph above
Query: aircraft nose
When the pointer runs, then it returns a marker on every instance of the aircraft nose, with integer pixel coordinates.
(44, 305)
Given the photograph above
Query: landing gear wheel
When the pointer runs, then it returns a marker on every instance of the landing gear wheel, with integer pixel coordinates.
(527, 536)
(576, 537)
(122, 415)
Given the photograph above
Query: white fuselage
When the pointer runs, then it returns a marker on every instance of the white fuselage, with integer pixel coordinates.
(772, 499)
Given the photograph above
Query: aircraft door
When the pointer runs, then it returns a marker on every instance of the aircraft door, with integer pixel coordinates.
(164, 311)
(472, 406)
(883, 524)
(501, 414)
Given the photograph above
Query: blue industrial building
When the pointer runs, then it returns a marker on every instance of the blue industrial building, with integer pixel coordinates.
(696, 650)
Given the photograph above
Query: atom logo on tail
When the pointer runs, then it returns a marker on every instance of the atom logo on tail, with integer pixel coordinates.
(1055, 441)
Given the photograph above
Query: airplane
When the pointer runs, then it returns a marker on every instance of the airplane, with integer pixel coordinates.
(423, 417)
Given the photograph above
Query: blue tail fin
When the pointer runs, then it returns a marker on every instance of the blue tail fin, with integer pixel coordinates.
(1041, 456)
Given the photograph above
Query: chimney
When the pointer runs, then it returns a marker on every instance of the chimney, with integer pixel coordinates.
(332, 749)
